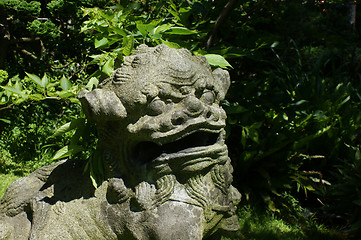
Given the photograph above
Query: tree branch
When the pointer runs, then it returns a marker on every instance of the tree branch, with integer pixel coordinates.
(8, 106)
(25, 39)
(61, 67)
(29, 54)
(222, 16)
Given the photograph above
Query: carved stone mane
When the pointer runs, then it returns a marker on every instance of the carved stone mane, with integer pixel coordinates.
(166, 166)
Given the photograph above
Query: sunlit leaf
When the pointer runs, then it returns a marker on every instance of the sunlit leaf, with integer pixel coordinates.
(93, 178)
(172, 44)
(37, 97)
(216, 60)
(68, 127)
(44, 80)
(18, 86)
(101, 43)
(96, 168)
(162, 28)
(74, 100)
(108, 67)
(93, 83)
(14, 90)
(35, 78)
(67, 151)
(180, 31)
(65, 94)
(5, 120)
(65, 83)
(119, 31)
(128, 44)
(145, 28)
(345, 100)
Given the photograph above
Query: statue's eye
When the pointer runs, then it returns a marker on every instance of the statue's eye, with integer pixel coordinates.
(156, 107)
(208, 97)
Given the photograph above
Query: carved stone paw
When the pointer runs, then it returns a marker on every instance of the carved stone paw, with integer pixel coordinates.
(117, 191)
(145, 194)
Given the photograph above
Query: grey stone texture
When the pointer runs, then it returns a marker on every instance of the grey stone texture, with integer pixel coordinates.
(167, 170)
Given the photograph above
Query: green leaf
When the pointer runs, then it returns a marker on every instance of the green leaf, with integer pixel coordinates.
(231, 120)
(119, 31)
(67, 151)
(93, 179)
(216, 60)
(244, 137)
(18, 86)
(61, 152)
(156, 33)
(175, 14)
(65, 94)
(68, 127)
(5, 120)
(172, 44)
(65, 83)
(298, 103)
(100, 43)
(108, 67)
(345, 100)
(79, 132)
(14, 90)
(180, 31)
(74, 100)
(128, 44)
(37, 97)
(61, 130)
(35, 78)
(93, 83)
(106, 16)
(144, 29)
(96, 168)
(162, 28)
(235, 109)
(44, 80)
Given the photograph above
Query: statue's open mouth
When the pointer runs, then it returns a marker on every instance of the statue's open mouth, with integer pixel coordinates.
(198, 147)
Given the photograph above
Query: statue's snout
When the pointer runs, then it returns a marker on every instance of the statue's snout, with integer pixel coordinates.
(102, 105)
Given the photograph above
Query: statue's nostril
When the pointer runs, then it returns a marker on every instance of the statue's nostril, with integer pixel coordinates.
(165, 125)
(178, 118)
(212, 114)
(208, 114)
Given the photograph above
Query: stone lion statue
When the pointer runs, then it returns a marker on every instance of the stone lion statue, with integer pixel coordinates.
(167, 174)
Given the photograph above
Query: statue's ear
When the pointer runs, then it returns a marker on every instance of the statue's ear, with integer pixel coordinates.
(222, 79)
(102, 105)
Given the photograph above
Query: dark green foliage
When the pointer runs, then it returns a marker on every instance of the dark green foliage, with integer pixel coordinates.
(43, 36)
(24, 141)
(256, 225)
(22, 8)
(45, 29)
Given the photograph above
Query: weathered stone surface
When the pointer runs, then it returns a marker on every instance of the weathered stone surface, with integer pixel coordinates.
(167, 170)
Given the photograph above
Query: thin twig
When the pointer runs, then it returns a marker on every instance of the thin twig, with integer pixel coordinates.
(222, 16)
(78, 71)
(6, 107)
(53, 98)
(61, 67)
(29, 54)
